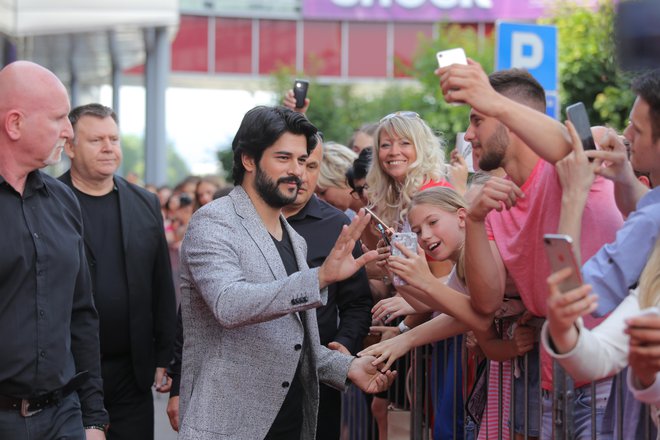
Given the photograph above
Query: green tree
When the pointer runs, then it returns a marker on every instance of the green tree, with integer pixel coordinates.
(133, 152)
(588, 71)
(339, 109)
(226, 158)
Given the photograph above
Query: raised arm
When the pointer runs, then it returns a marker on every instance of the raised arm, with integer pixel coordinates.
(426, 288)
(484, 268)
(576, 174)
(627, 189)
(469, 84)
(439, 328)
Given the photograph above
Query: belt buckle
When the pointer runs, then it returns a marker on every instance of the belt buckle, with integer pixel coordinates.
(25, 412)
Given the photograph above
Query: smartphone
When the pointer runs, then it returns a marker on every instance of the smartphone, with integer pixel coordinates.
(465, 149)
(451, 56)
(300, 87)
(383, 233)
(577, 114)
(376, 218)
(559, 249)
(409, 240)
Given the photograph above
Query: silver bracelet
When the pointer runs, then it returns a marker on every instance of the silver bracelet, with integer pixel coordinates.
(403, 327)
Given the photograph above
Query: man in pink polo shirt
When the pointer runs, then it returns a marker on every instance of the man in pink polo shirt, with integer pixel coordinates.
(504, 246)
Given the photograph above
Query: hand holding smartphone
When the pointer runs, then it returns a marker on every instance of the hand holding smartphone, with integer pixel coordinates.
(577, 114)
(451, 56)
(559, 249)
(409, 240)
(300, 87)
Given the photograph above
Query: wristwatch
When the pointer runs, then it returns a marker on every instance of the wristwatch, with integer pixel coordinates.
(97, 427)
(403, 327)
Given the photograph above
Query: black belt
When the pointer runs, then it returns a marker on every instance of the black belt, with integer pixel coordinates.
(31, 406)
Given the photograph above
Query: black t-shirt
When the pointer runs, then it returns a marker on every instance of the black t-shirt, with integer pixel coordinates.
(288, 423)
(102, 224)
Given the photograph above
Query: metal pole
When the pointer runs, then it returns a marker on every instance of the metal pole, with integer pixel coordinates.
(115, 79)
(157, 68)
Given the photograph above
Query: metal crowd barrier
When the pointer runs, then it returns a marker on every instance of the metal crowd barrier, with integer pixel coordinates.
(413, 398)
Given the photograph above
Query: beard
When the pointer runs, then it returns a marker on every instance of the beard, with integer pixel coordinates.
(55, 155)
(494, 150)
(270, 192)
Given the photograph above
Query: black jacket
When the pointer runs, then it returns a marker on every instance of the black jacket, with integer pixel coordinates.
(152, 302)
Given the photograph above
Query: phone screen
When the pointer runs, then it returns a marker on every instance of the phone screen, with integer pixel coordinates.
(577, 114)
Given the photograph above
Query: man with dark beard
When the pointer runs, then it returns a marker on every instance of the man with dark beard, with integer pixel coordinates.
(251, 356)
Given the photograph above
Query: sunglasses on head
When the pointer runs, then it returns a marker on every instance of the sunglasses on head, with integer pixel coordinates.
(401, 114)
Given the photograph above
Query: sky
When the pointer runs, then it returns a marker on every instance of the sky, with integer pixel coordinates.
(198, 121)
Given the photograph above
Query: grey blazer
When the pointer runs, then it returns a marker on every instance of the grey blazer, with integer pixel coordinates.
(240, 327)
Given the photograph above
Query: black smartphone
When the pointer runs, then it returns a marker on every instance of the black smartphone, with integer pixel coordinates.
(559, 249)
(300, 87)
(577, 114)
(383, 233)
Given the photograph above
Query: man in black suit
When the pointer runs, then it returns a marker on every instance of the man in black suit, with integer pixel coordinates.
(345, 319)
(130, 270)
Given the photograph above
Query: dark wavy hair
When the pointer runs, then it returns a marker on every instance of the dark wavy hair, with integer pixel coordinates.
(647, 87)
(360, 167)
(261, 128)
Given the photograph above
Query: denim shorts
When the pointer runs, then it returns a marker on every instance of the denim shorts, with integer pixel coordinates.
(582, 412)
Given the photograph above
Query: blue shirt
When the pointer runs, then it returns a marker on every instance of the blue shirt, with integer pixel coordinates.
(616, 267)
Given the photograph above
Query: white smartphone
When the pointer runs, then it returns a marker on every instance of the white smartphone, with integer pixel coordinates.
(409, 240)
(559, 249)
(451, 56)
(464, 148)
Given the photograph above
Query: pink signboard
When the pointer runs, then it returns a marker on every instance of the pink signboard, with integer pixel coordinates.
(423, 10)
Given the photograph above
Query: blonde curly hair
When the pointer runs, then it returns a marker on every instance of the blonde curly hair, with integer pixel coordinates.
(389, 198)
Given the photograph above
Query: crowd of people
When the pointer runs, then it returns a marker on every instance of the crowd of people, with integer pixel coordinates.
(280, 277)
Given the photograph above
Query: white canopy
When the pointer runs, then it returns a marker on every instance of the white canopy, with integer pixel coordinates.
(20, 18)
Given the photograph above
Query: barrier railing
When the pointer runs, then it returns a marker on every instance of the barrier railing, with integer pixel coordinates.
(435, 380)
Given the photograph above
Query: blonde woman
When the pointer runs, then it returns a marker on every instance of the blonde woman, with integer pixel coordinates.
(408, 157)
(332, 185)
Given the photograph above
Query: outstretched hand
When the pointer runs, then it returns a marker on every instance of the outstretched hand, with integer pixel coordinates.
(388, 309)
(340, 263)
(367, 377)
(387, 351)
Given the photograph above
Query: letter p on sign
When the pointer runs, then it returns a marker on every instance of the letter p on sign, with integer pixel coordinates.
(526, 50)
(528, 46)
